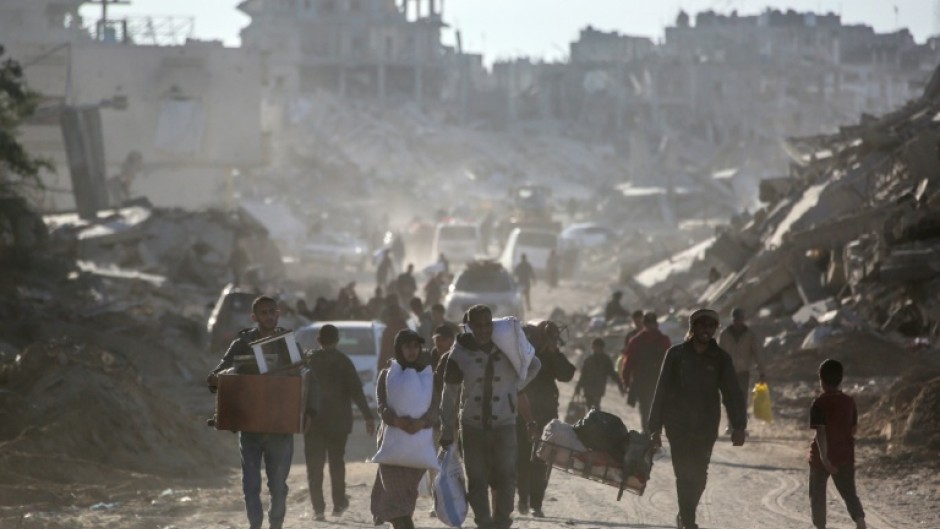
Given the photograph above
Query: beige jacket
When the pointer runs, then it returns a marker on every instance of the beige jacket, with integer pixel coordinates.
(744, 350)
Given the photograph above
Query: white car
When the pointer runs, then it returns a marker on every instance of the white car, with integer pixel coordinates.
(535, 244)
(585, 235)
(340, 249)
(484, 283)
(460, 243)
(361, 341)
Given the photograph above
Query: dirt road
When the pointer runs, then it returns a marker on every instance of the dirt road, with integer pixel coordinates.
(761, 485)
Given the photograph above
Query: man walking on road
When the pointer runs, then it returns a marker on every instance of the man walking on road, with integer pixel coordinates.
(542, 395)
(487, 386)
(275, 449)
(696, 377)
(744, 347)
(326, 434)
(525, 276)
(644, 358)
(595, 372)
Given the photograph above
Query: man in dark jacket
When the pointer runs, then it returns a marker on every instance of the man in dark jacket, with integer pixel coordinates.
(325, 435)
(595, 372)
(542, 394)
(696, 376)
(644, 358)
(276, 450)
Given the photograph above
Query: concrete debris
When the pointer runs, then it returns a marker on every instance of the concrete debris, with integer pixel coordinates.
(850, 238)
(199, 248)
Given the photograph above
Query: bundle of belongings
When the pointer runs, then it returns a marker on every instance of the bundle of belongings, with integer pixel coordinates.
(600, 448)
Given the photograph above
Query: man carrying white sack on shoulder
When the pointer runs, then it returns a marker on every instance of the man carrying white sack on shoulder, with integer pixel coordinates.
(487, 380)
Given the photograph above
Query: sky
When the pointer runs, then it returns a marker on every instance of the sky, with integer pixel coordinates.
(543, 28)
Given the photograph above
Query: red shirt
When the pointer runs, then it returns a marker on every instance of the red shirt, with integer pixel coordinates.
(836, 411)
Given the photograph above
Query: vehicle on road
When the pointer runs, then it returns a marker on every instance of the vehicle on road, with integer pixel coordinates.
(486, 283)
(337, 249)
(231, 313)
(460, 243)
(584, 235)
(361, 341)
(536, 244)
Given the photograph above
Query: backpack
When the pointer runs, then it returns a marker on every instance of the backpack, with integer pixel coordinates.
(603, 432)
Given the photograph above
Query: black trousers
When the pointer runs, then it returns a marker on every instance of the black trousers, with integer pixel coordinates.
(320, 447)
(690, 458)
(844, 480)
(532, 473)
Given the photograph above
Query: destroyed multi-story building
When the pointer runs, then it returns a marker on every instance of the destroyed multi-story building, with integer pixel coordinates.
(170, 112)
(720, 92)
(360, 48)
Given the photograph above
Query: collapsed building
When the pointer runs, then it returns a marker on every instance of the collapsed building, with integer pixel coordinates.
(133, 106)
(848, 239)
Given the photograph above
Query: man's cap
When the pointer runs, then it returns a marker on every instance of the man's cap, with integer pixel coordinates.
(703, 313)
(407, 336)
(737, 313)
(445, 331)
(650, 317)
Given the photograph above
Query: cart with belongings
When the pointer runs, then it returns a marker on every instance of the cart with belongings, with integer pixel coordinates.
(598, 449)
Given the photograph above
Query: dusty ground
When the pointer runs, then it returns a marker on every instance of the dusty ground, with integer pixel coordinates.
(761, 485)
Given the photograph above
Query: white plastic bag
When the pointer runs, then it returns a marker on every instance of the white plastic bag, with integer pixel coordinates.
(510, 338)
(450, 490)
(409, 395)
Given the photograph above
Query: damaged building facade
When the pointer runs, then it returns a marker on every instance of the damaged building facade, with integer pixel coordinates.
(174, 112)
(364, 49)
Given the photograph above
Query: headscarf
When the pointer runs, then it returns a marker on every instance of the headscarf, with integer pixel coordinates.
(405, 336)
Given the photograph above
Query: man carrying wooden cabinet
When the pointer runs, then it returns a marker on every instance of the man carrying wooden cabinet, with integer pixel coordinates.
(275, 449)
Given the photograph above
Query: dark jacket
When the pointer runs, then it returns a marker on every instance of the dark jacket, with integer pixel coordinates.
(340, 387)
(240, 346)
(596, 370)
(690, 390)
(542, 392)
(644, 359)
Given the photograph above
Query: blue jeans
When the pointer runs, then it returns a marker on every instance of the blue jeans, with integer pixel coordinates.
(490, 461)
(276, 450)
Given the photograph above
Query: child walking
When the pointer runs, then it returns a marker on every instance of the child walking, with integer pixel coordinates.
(834, 417)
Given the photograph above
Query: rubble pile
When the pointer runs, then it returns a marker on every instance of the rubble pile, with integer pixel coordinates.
(403, 145)
(908, 414)
(203, 248)
(99, 371)
(71, 412)
(849, 241)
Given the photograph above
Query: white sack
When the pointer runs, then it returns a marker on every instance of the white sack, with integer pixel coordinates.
(408, 395)
(510, 338)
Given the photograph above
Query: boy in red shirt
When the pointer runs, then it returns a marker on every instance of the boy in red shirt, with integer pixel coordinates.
(834, 417)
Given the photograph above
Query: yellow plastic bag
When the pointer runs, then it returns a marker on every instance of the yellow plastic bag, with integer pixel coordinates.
(763, 407)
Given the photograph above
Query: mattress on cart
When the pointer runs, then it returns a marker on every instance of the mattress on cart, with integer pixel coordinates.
(560, 447)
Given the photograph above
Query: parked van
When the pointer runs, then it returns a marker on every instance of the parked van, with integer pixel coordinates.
(460, 243)
(536, 244)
